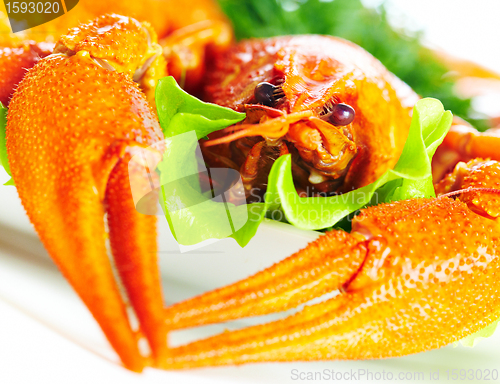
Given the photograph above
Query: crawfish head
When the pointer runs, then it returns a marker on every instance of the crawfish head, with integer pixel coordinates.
(340, 113)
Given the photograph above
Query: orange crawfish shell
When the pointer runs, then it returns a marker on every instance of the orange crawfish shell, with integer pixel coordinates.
(96, 109)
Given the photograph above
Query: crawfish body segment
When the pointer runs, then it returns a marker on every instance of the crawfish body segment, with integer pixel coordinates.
(69, 146)
(165, 16)
(407, 279)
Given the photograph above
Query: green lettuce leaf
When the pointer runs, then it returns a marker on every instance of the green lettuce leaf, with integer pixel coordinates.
(179, 112)
(192, 215)
(475, 338)
(4, 161)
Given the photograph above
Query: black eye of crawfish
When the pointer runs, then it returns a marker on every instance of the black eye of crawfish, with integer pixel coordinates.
(341, 114)
(268, 94)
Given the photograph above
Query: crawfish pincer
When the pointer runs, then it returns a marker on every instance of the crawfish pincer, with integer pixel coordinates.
(413, 275)
(73, 124)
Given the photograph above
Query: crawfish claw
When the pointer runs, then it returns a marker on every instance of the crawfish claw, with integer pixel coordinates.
(417, 287)
(72, 127)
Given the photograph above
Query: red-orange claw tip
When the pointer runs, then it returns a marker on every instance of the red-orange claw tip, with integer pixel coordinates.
(134, 248)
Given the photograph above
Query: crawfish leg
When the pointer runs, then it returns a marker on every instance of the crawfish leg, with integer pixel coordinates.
(463, 143)
(469, 143)
(324, 266)
(185, 50)
(257, 165)
(133, 243)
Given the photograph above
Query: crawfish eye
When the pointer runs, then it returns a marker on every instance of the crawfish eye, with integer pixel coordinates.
(341, 114)
(268, 94)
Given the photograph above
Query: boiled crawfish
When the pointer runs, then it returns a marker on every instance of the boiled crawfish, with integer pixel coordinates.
(77, 117)
(312, 75)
